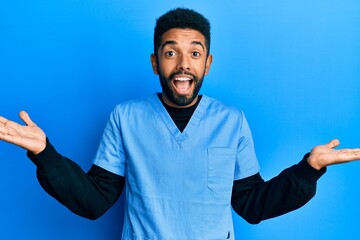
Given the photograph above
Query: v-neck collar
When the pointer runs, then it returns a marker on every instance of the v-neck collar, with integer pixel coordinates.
(170, 124)
(180, 116)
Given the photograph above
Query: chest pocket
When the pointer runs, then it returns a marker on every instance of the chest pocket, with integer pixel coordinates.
(220, 170)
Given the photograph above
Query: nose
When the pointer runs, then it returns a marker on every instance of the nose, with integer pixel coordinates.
(183, 63)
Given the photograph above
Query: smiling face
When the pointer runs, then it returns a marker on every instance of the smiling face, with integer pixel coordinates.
(182, 61)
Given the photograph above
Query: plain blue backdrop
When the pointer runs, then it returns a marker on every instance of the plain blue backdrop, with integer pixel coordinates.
(292, 66)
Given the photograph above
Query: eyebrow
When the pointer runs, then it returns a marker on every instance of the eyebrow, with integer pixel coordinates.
(171, 42)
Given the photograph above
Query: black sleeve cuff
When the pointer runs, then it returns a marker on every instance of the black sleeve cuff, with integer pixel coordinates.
(306, 174)
(47, 159)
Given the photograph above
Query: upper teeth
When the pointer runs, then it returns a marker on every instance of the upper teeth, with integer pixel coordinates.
(182, 79)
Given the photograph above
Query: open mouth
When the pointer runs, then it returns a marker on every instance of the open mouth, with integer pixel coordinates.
(182, 84)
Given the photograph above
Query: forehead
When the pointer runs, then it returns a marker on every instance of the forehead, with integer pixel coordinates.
(183, 35)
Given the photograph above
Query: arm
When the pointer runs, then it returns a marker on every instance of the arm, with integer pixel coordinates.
(86, 194)
(256, 200)
(89, 195)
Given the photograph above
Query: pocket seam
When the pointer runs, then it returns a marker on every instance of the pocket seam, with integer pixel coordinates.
(214, 168)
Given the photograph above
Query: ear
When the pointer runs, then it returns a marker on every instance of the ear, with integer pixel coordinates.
(208, 64)
(154, 64)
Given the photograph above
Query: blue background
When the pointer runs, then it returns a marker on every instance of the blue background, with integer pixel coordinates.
(292, 66)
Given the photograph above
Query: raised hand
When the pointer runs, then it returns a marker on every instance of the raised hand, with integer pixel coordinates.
(325, 155)
(30, 137)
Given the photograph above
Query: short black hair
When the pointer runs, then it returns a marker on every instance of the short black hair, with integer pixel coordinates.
(181, 18)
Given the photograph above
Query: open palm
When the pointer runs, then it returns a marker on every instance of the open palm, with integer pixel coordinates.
(325, 155)
(30, 136)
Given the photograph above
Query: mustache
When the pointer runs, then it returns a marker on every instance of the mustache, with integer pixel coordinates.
(172, 75)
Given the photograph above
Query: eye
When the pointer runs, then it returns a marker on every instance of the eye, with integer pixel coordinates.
(196, 54)
(170, 53)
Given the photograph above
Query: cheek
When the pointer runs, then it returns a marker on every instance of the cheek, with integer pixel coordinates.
(166, 68)
(200, 66)
(201, 70)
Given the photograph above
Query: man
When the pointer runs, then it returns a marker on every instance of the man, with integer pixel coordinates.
(185, 158)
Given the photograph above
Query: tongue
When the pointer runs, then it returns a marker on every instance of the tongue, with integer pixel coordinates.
(182, 86)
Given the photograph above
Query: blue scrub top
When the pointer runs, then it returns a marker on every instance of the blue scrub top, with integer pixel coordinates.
(178, 184)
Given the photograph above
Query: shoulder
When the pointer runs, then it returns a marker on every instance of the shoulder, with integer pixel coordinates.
(217, 107)
(129, 109)
(131, 106)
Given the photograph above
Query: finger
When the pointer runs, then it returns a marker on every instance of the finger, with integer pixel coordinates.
(26, 118)
(3, 131)
(3, 126)
(3, 120)
(333, 143)
(353, 154)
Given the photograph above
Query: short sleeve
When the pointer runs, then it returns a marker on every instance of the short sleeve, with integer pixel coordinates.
(111, 154)
(246, 161)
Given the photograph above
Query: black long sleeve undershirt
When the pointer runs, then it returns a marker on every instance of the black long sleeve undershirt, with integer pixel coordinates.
(255, 199)
(91, 194)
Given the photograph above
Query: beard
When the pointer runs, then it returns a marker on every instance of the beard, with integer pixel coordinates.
(180, 100)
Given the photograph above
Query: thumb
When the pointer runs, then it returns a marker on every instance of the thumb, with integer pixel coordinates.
(26, 119)
(333, 143)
